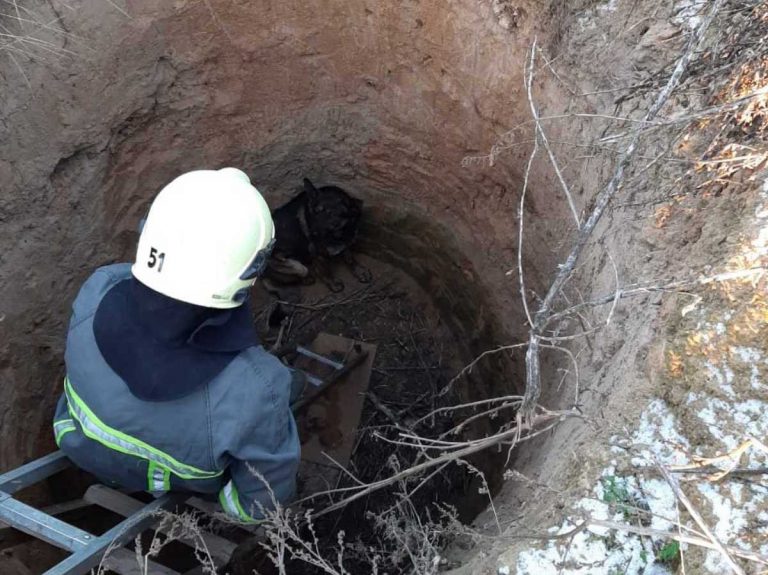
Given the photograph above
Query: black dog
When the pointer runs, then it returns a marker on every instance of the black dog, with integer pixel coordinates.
(318, 224)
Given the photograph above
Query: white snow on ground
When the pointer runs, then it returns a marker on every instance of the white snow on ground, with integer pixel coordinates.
(732, 408)
(609, 6)
(601, 551)
(751, 357)
(688, 13)
(658, 430)
(723, 418)
(724, 377)
(734, 506)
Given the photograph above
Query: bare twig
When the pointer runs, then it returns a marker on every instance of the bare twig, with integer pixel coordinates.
(118, 8)
(533, 373)
(514, 434)
(617, 292)
(521, 219)
(683, 498)
(676, 536)
(452, 408)
(731, 457)
(388, 413)
(217, 20)
(706, 469)
(540, 131)
(652, 287)
(468, 368)
(575, 365)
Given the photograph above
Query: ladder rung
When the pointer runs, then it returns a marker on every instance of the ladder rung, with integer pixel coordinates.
(41, 525)
(320, 358)
(126, 505)
(28, 519)
(33, 472)
(53, 510)
(88, 557)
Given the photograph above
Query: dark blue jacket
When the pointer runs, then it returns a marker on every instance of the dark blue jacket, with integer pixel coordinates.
(229, 436)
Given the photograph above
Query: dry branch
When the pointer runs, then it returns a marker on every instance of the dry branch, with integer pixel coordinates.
(469, 367)
(732, 457)
(540, 131)
(698, 541)
(461, 450)
(683, 498)
(521, 214)
(533, 372)
(654, 287)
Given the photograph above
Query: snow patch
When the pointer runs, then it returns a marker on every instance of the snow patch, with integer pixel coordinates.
(724, 377)
(733, 507)
(602, 551)
(609, 6)
(688, 13)
(731, 410)
(658, 431)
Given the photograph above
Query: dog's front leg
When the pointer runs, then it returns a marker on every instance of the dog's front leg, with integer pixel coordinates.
(361, 272)
(322, 270)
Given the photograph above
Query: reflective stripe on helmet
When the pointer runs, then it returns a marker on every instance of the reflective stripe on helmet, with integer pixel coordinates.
(97, 430)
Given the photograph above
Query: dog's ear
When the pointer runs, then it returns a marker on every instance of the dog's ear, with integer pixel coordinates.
(312, 192)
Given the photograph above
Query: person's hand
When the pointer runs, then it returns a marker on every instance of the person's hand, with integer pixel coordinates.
(298, 384)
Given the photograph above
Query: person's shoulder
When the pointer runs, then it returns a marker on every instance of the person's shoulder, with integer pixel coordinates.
(104, 278)
(97, 284)
(269, 374)
(260, 360)
(112, 272)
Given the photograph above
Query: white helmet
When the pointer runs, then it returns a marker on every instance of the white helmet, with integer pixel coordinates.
(206, 239)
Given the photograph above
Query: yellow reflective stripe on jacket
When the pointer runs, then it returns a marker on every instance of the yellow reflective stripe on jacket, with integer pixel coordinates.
(230, 502)
(61, 428)
(158, 478)
(116, 440)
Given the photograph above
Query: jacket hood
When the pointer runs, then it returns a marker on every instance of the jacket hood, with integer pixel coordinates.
(165, 349)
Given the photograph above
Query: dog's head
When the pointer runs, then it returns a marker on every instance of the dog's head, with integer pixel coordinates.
(333, 217)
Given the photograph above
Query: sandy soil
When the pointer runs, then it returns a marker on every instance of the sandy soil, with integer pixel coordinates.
(420, 109)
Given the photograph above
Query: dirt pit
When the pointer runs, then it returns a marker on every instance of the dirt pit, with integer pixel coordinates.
(417, 357)
(376, 100)
(422, 109)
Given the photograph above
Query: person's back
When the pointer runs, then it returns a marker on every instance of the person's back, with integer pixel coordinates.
(166, 394)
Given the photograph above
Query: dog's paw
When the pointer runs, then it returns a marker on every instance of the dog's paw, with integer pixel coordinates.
(335, 285)
(362, 274)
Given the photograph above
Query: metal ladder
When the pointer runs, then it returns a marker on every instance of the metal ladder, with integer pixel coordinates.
(87, 549)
